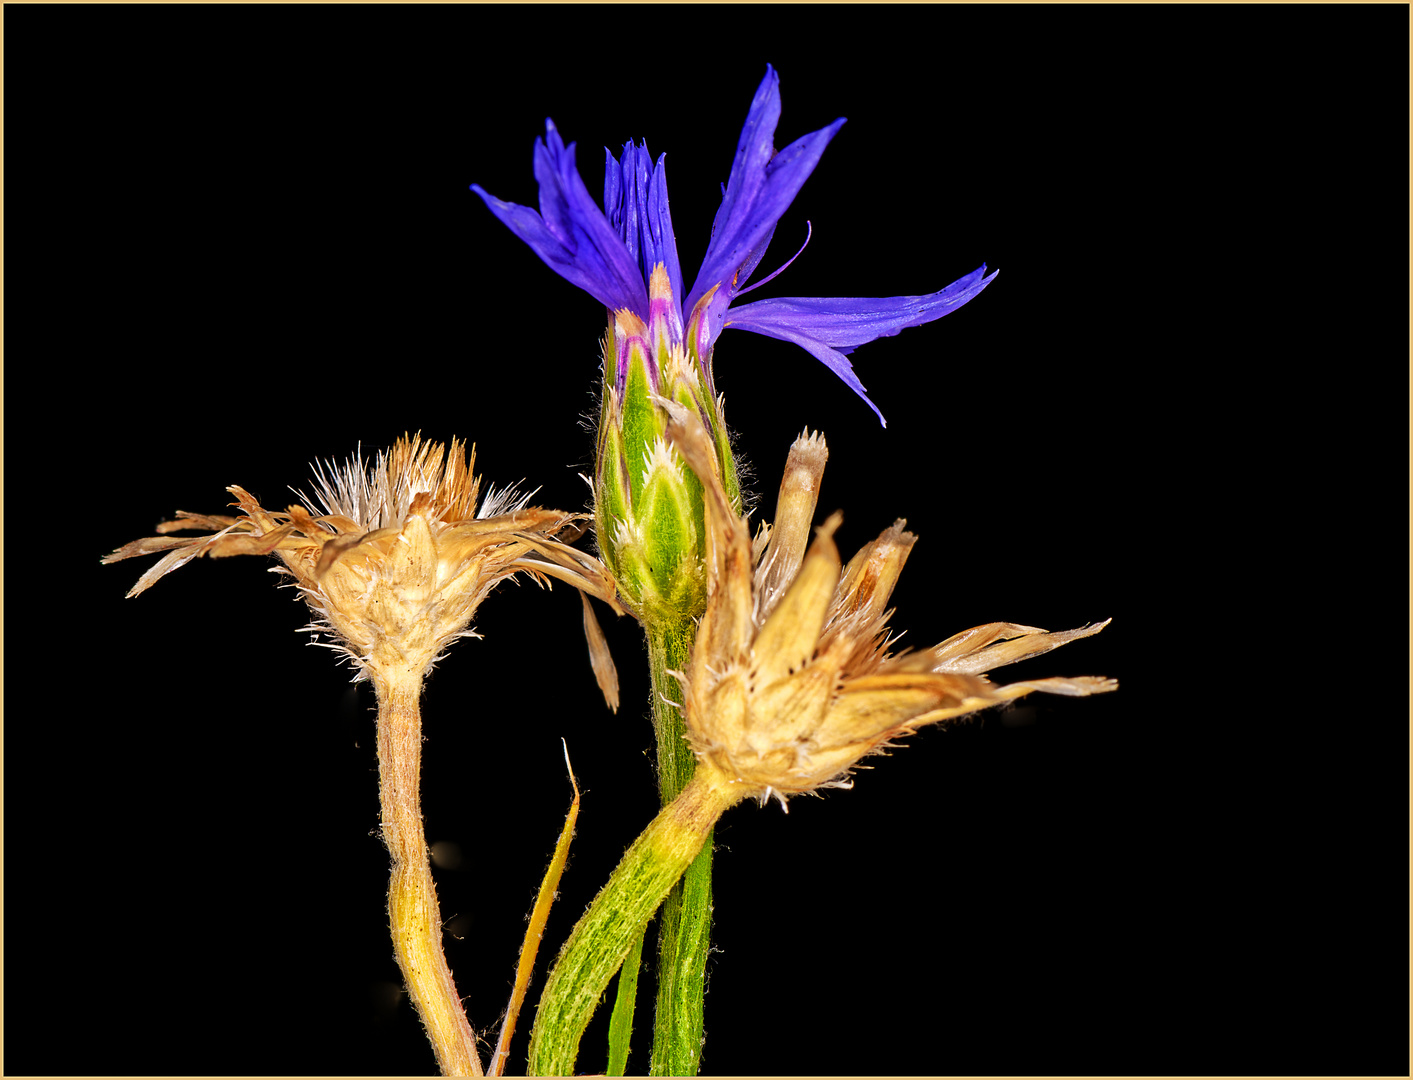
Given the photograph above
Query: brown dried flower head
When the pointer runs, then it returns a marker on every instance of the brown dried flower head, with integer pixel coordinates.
(790, 682)
(395, 558)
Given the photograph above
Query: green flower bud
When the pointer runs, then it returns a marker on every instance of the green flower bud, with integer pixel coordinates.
(648, 502)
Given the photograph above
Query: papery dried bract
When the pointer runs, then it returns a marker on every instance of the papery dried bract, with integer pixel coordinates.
(790, 682)
(397, 560)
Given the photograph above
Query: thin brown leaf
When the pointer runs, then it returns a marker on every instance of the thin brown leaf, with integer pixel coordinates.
(605, 673)
(536, 930)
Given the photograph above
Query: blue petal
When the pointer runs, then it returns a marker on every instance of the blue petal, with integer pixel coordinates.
(762, 185)
(852, 321)
(635, 200)
(833, 359)
(829, 328)
(570, 233)
(660, 226)
(615, 196)
(754, 149)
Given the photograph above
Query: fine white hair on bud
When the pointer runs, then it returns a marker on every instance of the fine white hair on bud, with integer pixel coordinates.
(659, 457)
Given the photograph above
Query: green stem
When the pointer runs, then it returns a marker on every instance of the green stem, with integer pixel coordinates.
(616, 920)
(670, 649)
(685, 928)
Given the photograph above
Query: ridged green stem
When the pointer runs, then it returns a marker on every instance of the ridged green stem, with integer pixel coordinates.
(685, 927)
(616, 919)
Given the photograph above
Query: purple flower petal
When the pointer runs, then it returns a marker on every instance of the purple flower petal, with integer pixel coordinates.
(833, 359)
(762, 185)
(754, 149)
(611, 253)
(570, 233)
(664, 239)
(830, 328)
(635, 201)
(851, 321)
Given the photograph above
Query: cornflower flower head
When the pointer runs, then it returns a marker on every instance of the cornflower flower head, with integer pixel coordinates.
(790, 681)
(661, 336)
(611, 254)
(393, 559)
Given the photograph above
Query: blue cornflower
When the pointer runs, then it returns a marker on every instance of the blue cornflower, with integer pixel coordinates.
(611, 254)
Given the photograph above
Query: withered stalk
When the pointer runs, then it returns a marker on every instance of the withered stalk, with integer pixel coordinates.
(413, 912)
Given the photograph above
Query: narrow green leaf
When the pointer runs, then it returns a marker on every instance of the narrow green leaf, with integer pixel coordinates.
(615, 922)
(620, 1025)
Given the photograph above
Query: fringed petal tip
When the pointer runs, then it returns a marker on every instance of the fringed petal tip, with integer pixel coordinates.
(570, 232)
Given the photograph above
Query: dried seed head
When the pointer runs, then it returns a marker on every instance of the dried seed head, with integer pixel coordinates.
(790, 682)
(395, 558)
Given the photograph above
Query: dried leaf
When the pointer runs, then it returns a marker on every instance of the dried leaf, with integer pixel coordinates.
(605, 673)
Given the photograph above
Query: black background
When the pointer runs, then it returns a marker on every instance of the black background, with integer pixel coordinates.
(241, 240)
